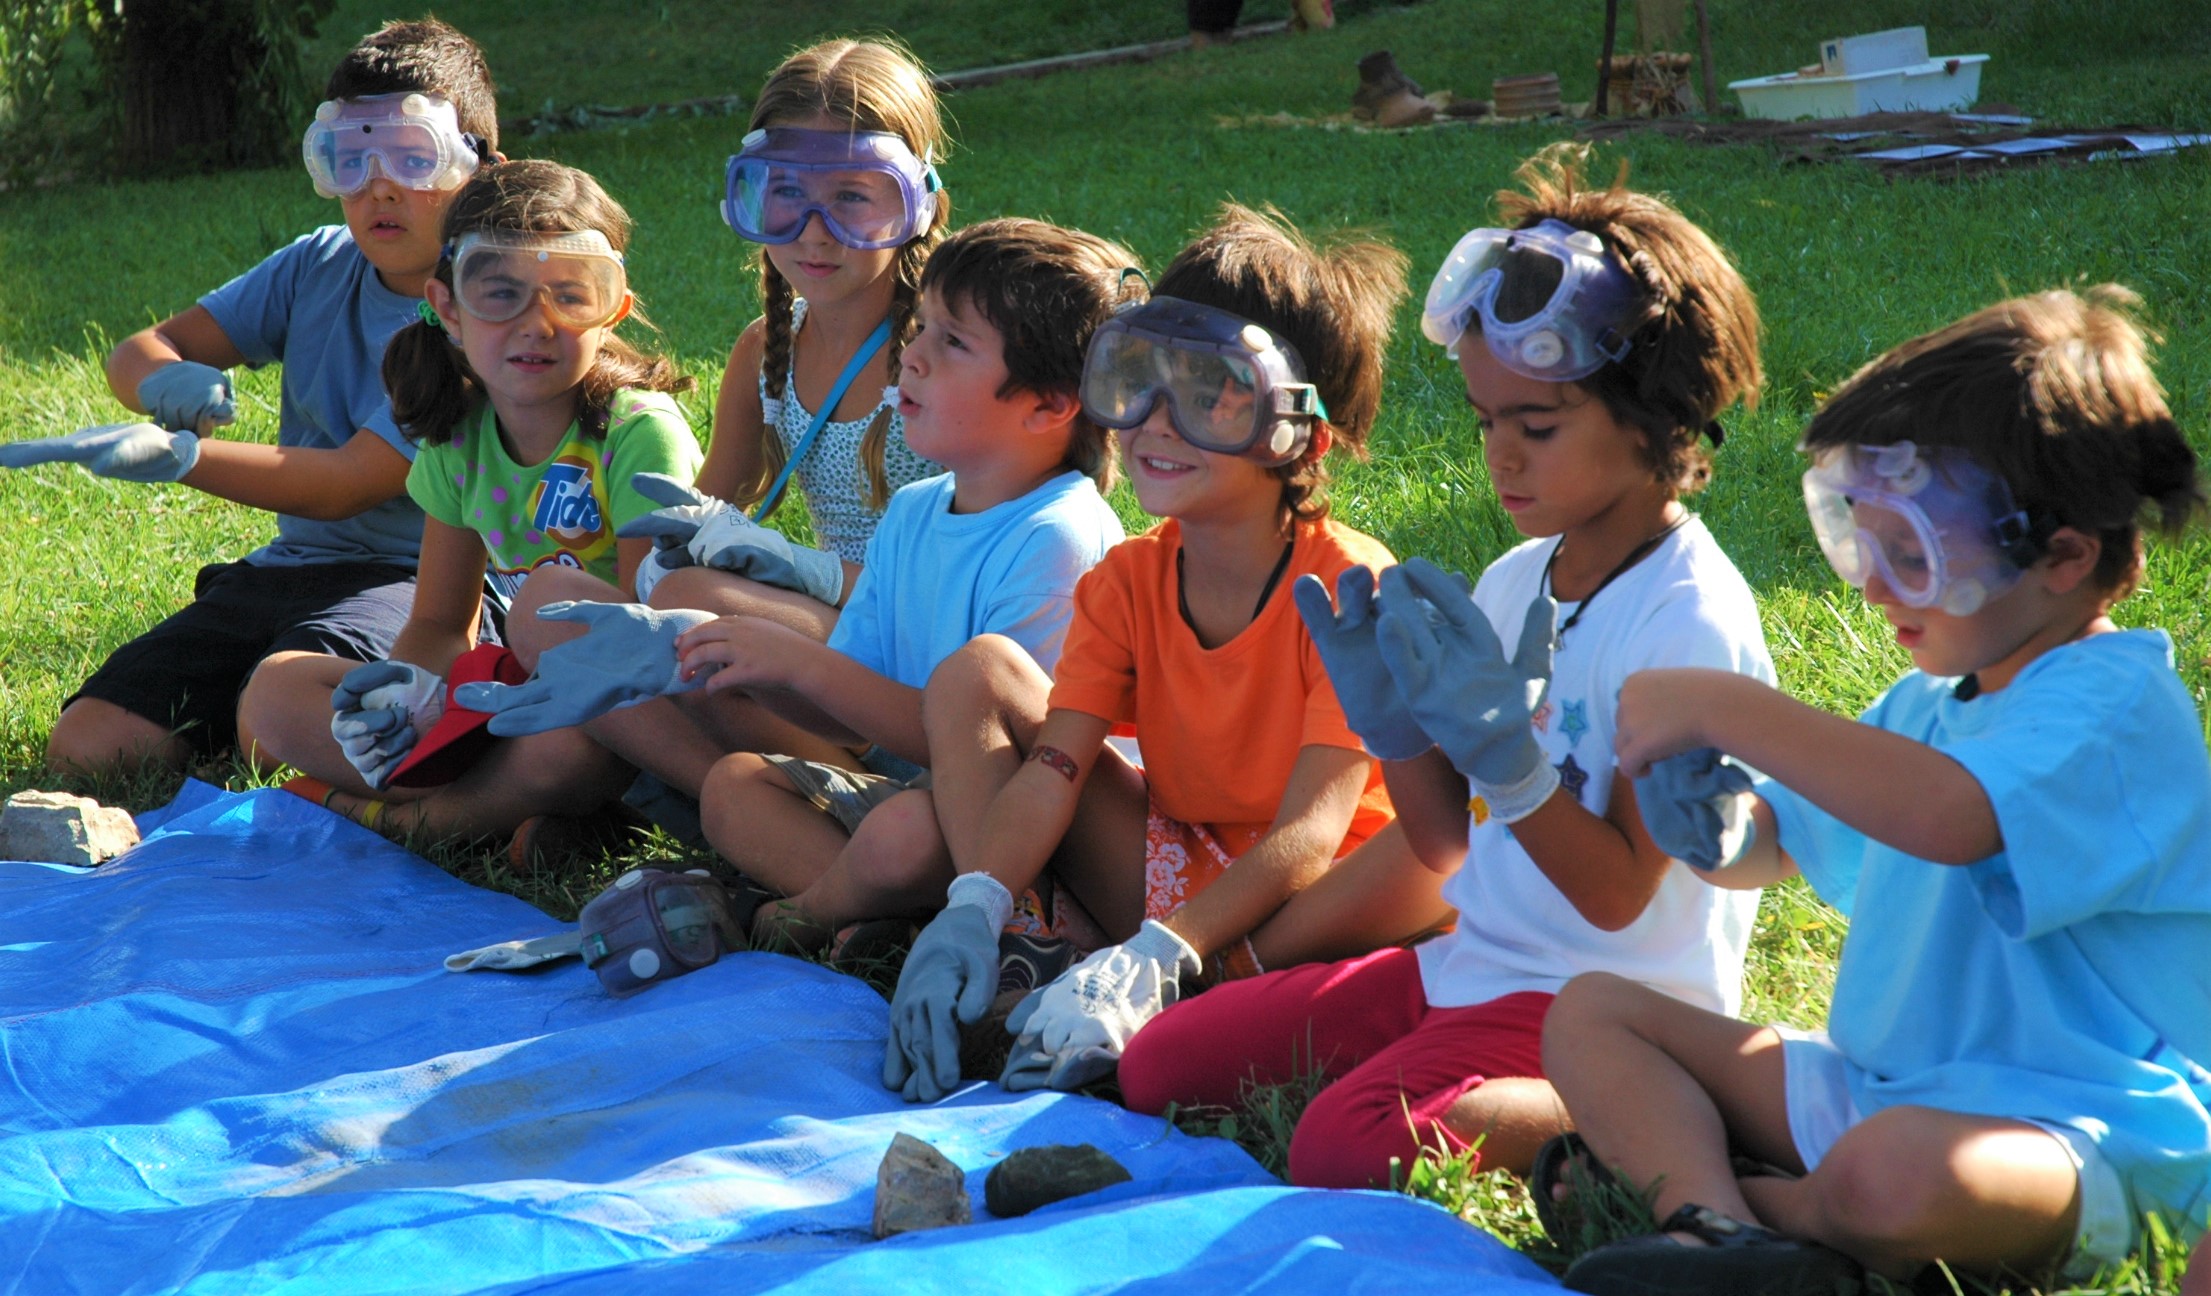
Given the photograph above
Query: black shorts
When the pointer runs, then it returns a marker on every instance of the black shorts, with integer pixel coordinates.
(185, 674)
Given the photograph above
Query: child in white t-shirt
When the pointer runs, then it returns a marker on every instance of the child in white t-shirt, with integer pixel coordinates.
(1598, 340)
(2013, 1073)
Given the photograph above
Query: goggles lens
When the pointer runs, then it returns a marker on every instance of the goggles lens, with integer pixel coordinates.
(413, 140)
(1231, 387)
(497, 275)
(1551, 303)
(689, 914)
(1937, 528)
(868, 188)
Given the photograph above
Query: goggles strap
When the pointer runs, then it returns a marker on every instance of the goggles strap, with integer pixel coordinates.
(874, 343)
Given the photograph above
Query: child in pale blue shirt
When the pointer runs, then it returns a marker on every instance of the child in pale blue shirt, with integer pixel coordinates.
(2013, 1074)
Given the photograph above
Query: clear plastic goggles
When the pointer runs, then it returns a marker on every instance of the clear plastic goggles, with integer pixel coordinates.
(1940, 530)
(1551, 301)
(413, 140)
(1231, 387)
(867, 186)
(498, 273)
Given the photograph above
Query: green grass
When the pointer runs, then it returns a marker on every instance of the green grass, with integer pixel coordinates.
(1845, 263)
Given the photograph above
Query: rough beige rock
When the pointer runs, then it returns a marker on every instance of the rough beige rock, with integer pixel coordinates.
(57, 828)
(918, 1187)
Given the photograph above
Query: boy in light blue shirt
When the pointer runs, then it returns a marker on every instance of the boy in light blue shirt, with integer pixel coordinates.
(411, 114)
(2013, 1074)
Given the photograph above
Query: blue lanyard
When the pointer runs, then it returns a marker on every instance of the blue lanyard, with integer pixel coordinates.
(852, 368)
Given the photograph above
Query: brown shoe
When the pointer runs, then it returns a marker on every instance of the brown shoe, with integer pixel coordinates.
(557, 843)
(1386, 96)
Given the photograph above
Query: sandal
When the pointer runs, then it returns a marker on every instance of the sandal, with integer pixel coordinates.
(1738, 1259)
(1564, 1162)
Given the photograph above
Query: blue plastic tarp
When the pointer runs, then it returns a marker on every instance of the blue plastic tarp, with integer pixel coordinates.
(232, 1062)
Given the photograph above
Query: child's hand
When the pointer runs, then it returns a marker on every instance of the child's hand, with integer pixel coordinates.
(1073, 1031)
(1696, 806)
(741, 652)
(1661, 713)
(187, 397)
(132, 452)
(1343, 633)
(628, 657)
(696, 528)
(380, 710)
(1455, 678)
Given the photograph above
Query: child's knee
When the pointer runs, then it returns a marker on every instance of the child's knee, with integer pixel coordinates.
(529, 635)
(1591, 1002)
(730, 786)
(899, 846)
(286, 694)
(983, 675)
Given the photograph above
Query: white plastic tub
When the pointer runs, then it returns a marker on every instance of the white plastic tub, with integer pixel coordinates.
(1937, 85)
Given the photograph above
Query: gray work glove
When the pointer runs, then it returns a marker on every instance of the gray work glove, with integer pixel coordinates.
(628, 656)
(187, 396)
(949, 979)
(132, 452)
(1343, 632)
(1455, 678)
(715, 533)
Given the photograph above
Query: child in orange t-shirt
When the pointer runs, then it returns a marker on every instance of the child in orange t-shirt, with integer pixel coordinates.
(1257, 354)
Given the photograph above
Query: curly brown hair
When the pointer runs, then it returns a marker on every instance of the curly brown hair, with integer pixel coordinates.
(1693, 337)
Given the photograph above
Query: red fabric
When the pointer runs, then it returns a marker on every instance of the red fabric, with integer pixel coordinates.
(1364, 1021)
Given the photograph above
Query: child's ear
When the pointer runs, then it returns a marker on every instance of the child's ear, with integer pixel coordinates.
(1323, 440)
(440, 296)
(622, 312)
(1053, 410)
(2069, 559)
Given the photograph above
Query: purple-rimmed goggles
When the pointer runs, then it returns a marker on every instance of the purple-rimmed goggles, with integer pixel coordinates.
(1231, 387)
(1552, 303)
(414, 140)
(652, 925)
(867, 186)
(1941, 530)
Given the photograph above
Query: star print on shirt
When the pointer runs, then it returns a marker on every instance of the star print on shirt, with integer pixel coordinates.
(1572, 777)
(1575, 720)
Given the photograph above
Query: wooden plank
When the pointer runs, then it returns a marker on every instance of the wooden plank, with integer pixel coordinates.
(948, 81)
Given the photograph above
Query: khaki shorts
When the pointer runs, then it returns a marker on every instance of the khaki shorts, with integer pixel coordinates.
(844, 795)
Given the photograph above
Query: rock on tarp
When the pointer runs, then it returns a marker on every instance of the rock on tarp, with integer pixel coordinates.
(234, 1063)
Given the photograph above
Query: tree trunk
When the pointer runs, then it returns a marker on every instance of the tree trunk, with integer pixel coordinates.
(184, 71)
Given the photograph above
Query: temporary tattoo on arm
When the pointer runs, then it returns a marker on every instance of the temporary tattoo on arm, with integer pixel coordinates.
(1057, 761)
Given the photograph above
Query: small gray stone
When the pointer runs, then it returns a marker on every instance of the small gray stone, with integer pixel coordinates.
(1039, 1176)
(57, 828)
(918, 1187)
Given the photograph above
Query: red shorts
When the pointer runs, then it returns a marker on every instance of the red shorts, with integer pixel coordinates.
(1398, 1063)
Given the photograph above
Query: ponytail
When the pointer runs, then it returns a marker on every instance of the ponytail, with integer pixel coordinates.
(431, 386)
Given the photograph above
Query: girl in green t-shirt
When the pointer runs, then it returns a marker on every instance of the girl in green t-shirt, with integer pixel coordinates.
(531, 417)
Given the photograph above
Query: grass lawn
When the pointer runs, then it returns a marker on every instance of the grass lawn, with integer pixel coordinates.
(1845, 264)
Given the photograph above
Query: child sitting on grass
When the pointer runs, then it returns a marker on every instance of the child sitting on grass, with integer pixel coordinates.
(2013, 1072)
(1256, 356)
(1598, 340)
(531, 416)
(410, 116)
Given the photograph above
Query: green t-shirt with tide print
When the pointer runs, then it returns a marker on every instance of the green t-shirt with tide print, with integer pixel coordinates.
(564, 510)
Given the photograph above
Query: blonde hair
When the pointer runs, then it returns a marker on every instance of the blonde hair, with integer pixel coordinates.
(871, 86)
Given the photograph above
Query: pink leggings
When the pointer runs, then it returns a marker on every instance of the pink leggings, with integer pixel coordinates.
(1365, 1021)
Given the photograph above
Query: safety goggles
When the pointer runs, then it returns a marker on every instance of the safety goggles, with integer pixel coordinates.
(498, 273)
(1231, 387)
(1551, 302)
(413, 140)
(867, 186)
(1941, 530)
(652, 925)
